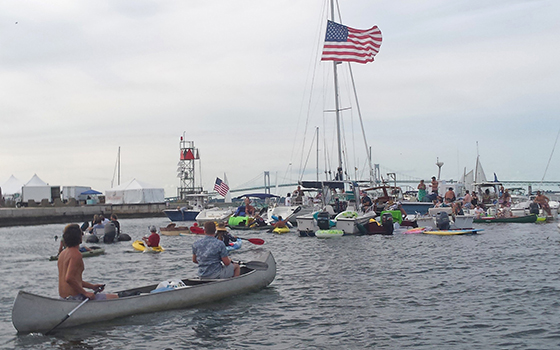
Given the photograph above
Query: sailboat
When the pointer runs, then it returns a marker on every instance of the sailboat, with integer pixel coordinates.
(342, 44)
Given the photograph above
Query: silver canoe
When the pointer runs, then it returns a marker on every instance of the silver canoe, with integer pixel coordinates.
(35, 313)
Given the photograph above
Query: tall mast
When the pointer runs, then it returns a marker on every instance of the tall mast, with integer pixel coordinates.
(119, 167)
(336, 102)
(317, 133)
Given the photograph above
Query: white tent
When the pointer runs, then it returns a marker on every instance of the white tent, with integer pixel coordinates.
(36, 189)
(134, 192)
(12, 186)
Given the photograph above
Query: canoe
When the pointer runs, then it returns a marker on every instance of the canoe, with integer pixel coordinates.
(235, 245)
(281, 230)
(139, 245)
(173, 230)
(518, 219)
(35, 313)
(329, 233)
(452, 232)
(95, 251)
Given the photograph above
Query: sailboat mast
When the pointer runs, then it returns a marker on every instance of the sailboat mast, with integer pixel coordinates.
(119, 167)
(336, 102)
(317, 133)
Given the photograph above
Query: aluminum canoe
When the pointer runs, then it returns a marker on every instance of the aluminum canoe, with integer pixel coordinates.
(35, 313)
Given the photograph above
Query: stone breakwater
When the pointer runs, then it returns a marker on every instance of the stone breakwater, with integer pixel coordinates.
(76, 214)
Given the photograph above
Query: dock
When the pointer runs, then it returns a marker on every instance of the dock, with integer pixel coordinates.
(76, 214)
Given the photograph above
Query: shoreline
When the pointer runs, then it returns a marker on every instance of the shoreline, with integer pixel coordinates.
(65, 214)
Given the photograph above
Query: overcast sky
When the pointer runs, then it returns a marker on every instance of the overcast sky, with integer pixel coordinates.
(79, 79)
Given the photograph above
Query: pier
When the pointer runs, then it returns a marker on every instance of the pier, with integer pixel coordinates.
(76, 214)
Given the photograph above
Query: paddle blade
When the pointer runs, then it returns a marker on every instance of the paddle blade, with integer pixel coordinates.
(256, 241)
(254, 265)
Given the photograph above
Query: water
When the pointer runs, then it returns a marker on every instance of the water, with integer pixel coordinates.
(496, 290)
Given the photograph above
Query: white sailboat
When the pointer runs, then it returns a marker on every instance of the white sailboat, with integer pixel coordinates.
(343, 44)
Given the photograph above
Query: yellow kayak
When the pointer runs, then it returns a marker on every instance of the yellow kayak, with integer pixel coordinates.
(139, 245)
(281, 230)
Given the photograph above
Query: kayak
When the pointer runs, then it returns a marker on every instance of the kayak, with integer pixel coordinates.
(95, 251)
(452, 232)
(281, 230)
(36, 313)
(235, 221)
(415, 230)
(329, 233)
(139, 245)
(235, 245)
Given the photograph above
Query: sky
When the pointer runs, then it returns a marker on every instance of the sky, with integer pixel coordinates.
(244, 81)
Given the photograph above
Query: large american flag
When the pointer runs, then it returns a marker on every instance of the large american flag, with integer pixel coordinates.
(347, 44)
(221, 187)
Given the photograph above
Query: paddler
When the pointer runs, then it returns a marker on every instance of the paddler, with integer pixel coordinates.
(71, 267)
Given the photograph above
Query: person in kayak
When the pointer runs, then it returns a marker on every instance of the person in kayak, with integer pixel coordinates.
(212, 257)
(223, 235)
(153, 239)
(71, 267)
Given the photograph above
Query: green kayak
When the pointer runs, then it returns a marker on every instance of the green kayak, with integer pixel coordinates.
(518, 219)
(93, 252)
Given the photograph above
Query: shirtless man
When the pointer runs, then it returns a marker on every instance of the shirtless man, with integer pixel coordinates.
(542, 200)
(70, 269)
(434, 184)
(449, 195)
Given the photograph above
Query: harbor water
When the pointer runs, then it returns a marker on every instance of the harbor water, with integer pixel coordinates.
(499, 289)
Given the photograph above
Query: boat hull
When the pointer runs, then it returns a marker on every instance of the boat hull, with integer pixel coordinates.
(416, 207)
(214, 214)
(35, 313)
(181, 215)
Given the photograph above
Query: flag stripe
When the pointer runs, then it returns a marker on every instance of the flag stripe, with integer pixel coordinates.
(352, 45)
(221, 187)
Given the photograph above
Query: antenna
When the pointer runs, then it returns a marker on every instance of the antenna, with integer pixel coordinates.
(439, 164)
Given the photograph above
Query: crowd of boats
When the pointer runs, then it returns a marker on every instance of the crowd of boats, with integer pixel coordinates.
(337, 208)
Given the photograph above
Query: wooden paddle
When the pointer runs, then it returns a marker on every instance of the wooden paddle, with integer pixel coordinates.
(74, 310)
(256, 241)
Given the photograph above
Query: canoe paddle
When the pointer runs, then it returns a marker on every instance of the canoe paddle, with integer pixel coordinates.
(74, 310)
(256, 241)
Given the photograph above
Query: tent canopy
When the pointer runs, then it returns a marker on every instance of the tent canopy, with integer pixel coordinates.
(91, 192)
(12, 186)
(36, 181)
(134, 192)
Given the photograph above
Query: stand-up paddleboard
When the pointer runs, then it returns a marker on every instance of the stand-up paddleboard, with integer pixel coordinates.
(329, 233)
(452, 232)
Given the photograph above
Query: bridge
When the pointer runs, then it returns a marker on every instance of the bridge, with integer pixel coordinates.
(529, 185)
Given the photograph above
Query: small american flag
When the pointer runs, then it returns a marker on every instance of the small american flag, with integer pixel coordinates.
(221, 187)
(347, 44)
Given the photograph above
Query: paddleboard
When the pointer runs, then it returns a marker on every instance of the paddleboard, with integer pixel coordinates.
(329, 233)
(452, 232)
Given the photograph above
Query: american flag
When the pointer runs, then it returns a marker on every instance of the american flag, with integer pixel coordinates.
(221, 187)
(347, 44)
